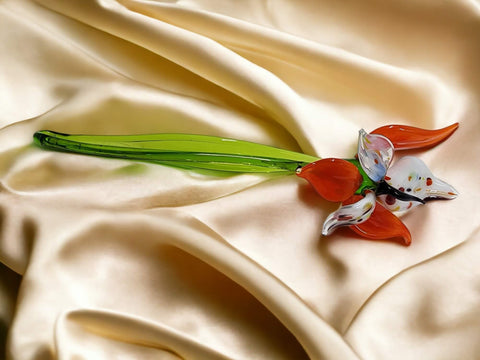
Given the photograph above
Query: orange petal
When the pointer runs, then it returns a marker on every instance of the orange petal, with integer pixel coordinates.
(383, 225)
(352, 199)
(408, 137)
(333, 179)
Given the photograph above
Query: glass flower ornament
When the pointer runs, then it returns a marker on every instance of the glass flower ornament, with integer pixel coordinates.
(369, 189)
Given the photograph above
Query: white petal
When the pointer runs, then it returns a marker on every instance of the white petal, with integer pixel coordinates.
(395, 205)
(352, 214)
(375, 153)
(410, 175)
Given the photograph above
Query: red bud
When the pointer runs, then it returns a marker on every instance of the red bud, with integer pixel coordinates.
(333, 179)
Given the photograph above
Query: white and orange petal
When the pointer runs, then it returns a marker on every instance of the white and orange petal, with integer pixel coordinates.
(351, 214)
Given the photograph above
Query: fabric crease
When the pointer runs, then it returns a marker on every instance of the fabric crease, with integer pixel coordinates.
(108, 258)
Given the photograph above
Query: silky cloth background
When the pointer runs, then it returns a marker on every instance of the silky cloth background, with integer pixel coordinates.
(107, 258)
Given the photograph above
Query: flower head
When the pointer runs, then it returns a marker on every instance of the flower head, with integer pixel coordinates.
(370, 190)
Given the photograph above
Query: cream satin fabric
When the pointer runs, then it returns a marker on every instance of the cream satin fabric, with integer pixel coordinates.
(122, 260)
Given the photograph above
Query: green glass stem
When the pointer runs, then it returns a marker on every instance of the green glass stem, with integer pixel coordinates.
(180, 150)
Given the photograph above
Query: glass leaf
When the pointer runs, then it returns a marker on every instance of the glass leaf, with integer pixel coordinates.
(180, 150)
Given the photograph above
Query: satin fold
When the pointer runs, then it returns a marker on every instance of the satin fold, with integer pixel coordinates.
(109, 258)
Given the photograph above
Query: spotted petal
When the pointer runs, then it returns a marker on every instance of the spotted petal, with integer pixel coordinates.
(375, 153)
(410, 175)
(355, 213)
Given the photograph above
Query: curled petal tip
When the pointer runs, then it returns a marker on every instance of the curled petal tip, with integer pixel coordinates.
(405, 137)
(441, 190)
(453, 193)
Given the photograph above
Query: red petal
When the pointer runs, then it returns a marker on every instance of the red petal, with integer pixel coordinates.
(408, 137)
(383, 225)
(353, 199)
(333, 179)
